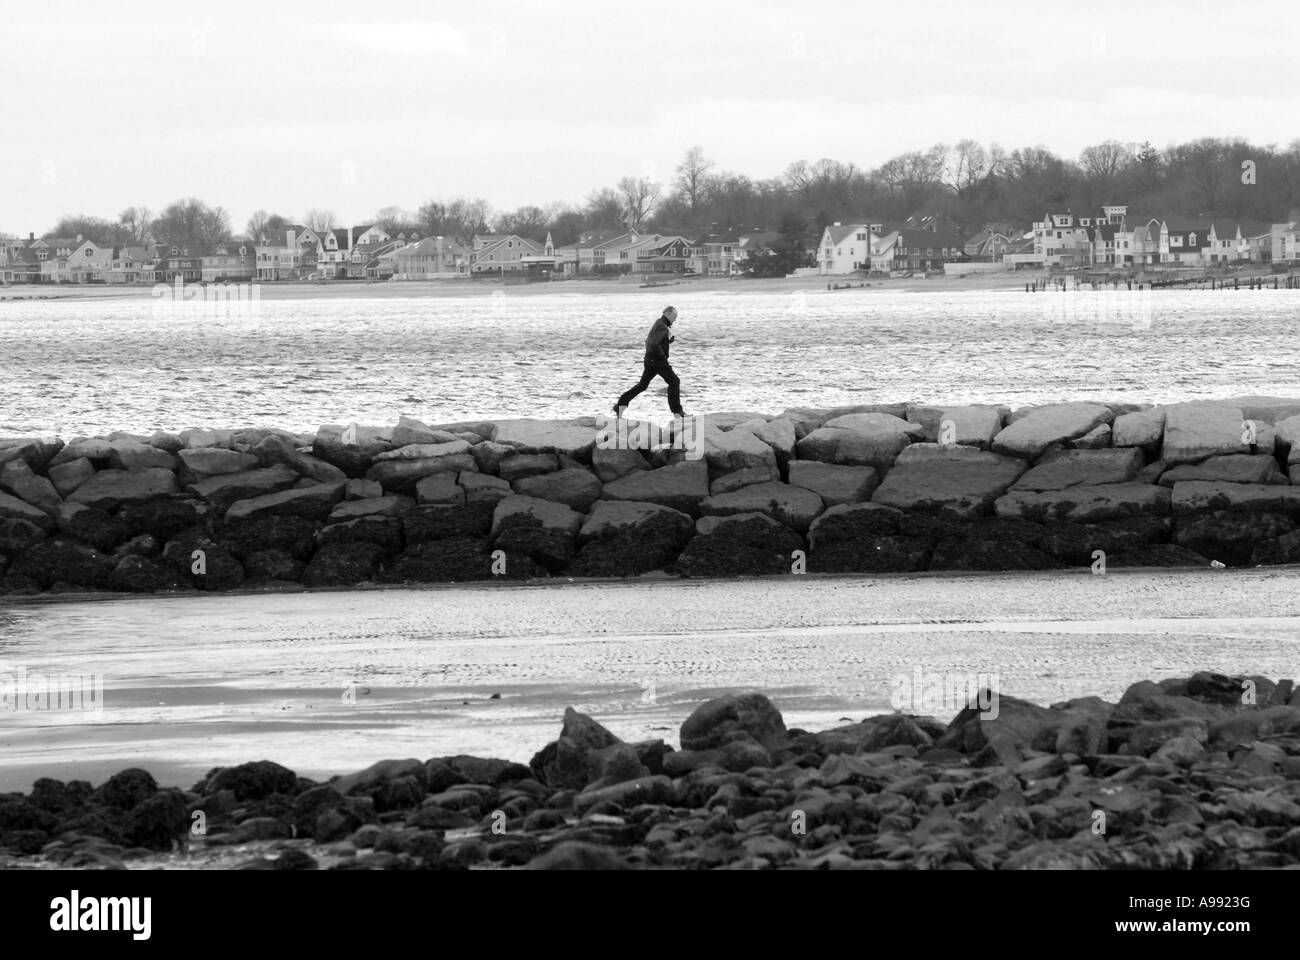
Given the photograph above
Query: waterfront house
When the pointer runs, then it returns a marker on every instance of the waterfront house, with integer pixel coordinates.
(750, 244)
(847, 247)
(230, 261)
(918, 251)
(1224, 241)
(1185, 241)
(500, 253)
(335, 254)
(433, 258)
(290, 253)
(126, 263)
(659, 254)
(990, 244)
(1256, 241)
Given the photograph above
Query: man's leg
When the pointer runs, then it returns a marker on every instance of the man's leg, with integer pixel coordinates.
(674, 388)
(647, 375)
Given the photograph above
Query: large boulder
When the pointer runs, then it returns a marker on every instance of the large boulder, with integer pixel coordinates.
(551, 516)
(863, 538)
(745, 544)
(546, 436)
(108, 489)
(730, 450)
(1230, 468)
(1201, 429)
(960, 480)
(862, 439)
(95, 528)
(1288, 442)
(1142, 428)
(710, 724)
(95, 449)
(16, 477)
(1031, 432)
(441, 488)
(66, 477)
(971, 425)
(344, 564)
(274, 449)
(516, 466)
(540, 530)
(610, 463)
(39, 453)
(223, 490)
(12, 508)
(1231, 536)
(390, 506)
(52, 561)
(779, 434)
(424, 451)
(793, 506)
(610, 518)
(17, 535)
(402, 474)
(1085, 504)
(625, 539)
(135, 455)
(410, 430)
(1070, 468)
(214, 461)
(576, 487)
(313, 503)
(481, 486)
(729, 482)
(351, 448)
(1198, 496)
(682, 486)
(835, 484)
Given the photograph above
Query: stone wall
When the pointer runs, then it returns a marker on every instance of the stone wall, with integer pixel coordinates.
(867, 489)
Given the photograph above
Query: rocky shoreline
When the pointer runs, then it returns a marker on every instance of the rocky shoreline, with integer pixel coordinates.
(1201, 772)
(867, 489)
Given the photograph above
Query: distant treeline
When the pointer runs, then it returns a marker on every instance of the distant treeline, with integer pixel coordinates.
(966, 186)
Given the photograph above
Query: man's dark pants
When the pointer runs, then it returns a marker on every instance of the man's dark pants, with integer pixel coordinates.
(657, 368)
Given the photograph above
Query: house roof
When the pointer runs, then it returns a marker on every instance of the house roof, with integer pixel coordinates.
(929, 238)
(1105, 231)
(842, 233)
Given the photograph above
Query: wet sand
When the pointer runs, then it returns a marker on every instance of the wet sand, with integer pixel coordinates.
(196, 682)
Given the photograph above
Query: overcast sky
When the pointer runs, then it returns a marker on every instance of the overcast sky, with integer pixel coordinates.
(352, 106)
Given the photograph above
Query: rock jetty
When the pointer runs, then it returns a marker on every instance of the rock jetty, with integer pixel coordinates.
(866, 489)
(1200, 772)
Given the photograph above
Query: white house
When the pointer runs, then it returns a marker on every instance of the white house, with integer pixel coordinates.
(847, 247)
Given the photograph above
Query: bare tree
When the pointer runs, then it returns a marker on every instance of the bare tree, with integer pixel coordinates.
(691, 177)
(135, 222)
(1102, 162)
(967, 166)
(319, 220)
(604, 209)
(640, 194)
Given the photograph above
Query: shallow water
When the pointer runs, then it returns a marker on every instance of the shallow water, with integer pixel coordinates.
(94, 366)
(196, 682)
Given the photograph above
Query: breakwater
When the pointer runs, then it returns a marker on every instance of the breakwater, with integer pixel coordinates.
(1199, 772)
(865, 489)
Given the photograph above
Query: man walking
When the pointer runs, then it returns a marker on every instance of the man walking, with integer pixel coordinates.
(656, 365)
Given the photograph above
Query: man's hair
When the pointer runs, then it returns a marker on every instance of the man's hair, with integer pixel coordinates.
(667, 310)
